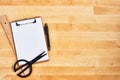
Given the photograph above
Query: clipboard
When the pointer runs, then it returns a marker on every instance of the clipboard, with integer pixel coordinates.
(20, 32)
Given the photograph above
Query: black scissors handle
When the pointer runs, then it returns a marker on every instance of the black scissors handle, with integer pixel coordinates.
(28, 64)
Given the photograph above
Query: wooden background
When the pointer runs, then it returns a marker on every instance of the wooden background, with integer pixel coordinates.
(84, 35)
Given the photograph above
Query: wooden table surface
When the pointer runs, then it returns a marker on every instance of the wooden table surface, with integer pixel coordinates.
(84, 36)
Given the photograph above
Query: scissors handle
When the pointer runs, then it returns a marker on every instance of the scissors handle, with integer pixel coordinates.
(26, 65)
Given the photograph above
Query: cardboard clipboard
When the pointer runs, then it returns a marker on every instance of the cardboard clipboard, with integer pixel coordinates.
(7, 28)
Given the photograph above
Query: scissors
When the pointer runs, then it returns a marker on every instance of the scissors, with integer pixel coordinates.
(27, 66)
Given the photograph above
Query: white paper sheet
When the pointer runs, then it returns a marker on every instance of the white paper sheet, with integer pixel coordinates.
(29, 39)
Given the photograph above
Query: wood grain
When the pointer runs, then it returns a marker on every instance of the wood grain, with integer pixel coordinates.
(115, 3)
(84, 36)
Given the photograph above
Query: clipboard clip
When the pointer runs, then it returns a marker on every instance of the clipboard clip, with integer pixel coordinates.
(25, 21)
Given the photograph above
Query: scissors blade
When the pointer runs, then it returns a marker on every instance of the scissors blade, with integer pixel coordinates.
(38, 57)
(43, 55)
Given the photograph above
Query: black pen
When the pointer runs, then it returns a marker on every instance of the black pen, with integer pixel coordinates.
(47, 35)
